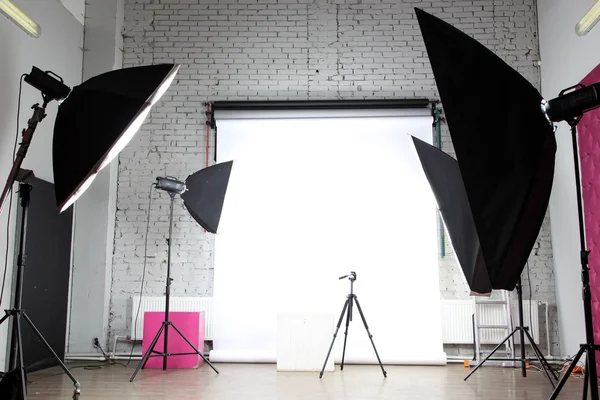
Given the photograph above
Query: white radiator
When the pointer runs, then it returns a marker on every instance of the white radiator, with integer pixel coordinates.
(457, 321)
(176, 304)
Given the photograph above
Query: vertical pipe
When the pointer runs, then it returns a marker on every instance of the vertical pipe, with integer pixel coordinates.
(438, 138)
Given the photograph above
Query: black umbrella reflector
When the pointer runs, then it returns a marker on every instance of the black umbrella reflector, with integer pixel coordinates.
(443, 174)
(98, 119)
(205, 194)
(504, 145)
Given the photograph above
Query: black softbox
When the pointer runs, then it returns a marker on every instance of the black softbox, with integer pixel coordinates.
(443, 174)
(505, 150)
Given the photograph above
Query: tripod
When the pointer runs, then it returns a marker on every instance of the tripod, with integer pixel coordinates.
(589, 347)
(348, 305)
(524, 332)
(166, 323)
(17, 313)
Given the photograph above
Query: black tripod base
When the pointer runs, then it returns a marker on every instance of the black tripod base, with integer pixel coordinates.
(545, 366)
(348, 305)
(152, 353)
(17, 315)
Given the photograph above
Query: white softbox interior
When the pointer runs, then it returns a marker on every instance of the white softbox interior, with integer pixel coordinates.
(312, 196)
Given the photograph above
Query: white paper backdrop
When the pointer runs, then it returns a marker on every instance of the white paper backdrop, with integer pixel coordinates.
(313, 196)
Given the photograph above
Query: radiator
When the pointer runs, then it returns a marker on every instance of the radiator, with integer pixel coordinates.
(176, 304)
(457, 321)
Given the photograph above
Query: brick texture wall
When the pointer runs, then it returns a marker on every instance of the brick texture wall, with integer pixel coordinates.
(277, 50)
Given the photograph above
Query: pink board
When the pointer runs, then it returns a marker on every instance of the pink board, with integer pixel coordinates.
(588, 131)
(191, 324)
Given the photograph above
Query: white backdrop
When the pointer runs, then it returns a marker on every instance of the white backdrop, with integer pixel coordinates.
(313, 196)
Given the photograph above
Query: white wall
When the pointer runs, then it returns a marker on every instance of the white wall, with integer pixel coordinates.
(566, 59)
(59, 50)
(95, 209)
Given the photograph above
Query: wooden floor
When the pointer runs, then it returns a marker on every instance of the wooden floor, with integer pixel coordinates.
(262, 381)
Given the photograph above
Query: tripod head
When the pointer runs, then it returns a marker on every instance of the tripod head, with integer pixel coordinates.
(351, 276)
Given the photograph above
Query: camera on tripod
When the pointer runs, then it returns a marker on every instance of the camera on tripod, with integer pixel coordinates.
(351, 276)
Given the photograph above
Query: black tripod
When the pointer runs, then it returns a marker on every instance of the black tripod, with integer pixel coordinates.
(166, 323)
(17, 313)
(348, 305)
(524, 332)
(589, 347)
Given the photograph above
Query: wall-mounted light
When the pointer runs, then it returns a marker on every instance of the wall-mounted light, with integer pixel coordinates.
(15, 14)
(589, 20)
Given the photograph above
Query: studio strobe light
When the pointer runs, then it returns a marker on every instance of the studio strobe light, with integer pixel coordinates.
(94, 122)
(203, 194)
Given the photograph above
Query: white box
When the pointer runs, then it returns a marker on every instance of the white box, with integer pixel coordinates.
(303, 340)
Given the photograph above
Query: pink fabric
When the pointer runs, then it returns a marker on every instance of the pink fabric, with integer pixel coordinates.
(588, 131)
(191, 324)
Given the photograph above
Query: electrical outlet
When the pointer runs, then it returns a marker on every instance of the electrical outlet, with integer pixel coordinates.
(95, 342)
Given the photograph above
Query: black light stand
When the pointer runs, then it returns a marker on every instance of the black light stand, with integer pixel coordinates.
(589, 347)
(348, 305)
(524, 332)
(167, 323)
(24, 190)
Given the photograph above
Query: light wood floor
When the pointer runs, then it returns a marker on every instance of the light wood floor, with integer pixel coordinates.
(262, 381)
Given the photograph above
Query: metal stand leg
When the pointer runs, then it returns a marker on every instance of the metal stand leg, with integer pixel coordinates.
(334, 336)
(491, 354)
(562, 382)
(142, 363)
(193, 347)
(348, 318)
(370, 336)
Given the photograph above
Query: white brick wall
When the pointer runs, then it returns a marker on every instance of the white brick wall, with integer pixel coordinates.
(281, 49)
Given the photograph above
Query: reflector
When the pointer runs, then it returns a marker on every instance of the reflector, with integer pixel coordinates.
(507, 167)
(98, 119)
(206, 193)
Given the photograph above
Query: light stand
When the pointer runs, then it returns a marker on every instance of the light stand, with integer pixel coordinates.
(171, 190)
(523, 331)
(348, 305)
(16, 312)
(590, 348)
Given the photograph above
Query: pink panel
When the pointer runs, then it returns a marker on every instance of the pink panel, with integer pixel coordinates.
(191, 324)
(588, 131)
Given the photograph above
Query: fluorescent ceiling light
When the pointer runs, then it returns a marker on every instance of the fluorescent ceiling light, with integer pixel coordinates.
(15, 14)
(589, 20)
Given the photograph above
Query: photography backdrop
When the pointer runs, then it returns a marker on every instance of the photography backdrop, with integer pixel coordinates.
(314, 195)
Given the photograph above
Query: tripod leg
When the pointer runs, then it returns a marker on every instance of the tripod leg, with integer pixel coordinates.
(362, 316)
(4, 318)
(545, 365)
(567, 374)
(348, 318)
(20, 361)
(147, 354)
(193, 347)
(334, 335)
(47, 345)
(492, 353)
(540, 357)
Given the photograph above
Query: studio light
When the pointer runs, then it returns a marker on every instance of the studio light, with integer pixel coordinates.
(572, 103)
(203, 194)
(589, 20)
(170, 185)
(507, 168)
(94, 122)
(16, 15)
